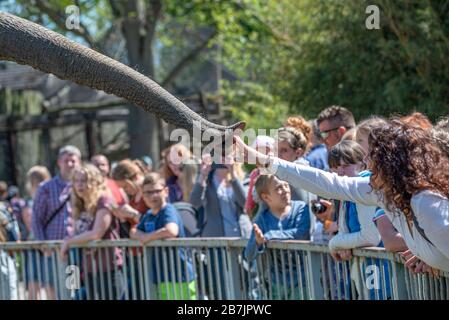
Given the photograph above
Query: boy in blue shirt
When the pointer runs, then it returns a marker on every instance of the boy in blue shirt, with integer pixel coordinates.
(282, 220)
(160, 222)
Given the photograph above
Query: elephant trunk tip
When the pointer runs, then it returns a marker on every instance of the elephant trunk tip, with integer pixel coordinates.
(238, 126)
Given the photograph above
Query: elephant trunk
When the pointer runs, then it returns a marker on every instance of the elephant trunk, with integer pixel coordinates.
(28, 43)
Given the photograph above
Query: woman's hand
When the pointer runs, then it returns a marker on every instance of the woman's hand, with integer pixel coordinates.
(341, 255)
(249, 155)
(345, 254)
(206, 166)
(416, 265)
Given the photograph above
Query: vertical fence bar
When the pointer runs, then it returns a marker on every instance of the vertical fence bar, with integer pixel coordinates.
(147, 274)
(202, 275)
(276, 272)
(25, 280)
(164, 265)
(260, 290)
(55, 275)
(447, 286)
(291, 266)
(218, 274)
(326, 288)
(338, 279)
(117, 274)
(40, 286)
(226, 274)
(132, 268)
(179, 272)
(101, 273)
(401, 285)
(209, 275)
(46, 272)
(299, 273)
(269, 274)
(242, 275)
(330, 276)
(251, 277)
(158, 256)
(141, 293)
(313, 271)
(127, 255)
(17, 277)
(383, 278)
(172, 273)
(233, 266)
(431, 289)
(80, 268)
(86, 274)
(71, 262)
(95, 271)
(357, 282)
(196, 277)
(284, 275)
(109, 272)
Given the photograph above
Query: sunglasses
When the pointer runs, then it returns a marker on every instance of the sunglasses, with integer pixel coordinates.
(152, 192)
(325, 134)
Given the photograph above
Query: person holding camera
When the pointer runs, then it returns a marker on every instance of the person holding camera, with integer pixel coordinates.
(220, 192)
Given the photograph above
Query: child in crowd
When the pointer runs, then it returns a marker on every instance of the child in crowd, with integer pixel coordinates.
(355, 225)
(160, 222)
(283, 219)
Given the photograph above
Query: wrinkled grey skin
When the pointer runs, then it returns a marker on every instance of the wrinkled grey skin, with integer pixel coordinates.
(28, 43)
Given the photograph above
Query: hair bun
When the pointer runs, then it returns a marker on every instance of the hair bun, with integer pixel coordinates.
(301, 127)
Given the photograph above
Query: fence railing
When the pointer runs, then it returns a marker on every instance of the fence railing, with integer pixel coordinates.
(207, 268)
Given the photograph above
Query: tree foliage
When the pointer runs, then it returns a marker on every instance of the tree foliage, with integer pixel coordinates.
(304, 54)
(323, 54)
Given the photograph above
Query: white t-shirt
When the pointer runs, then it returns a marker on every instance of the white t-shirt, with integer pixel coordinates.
(431, 209)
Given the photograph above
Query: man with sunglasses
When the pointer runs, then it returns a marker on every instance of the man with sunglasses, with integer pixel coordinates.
(333, 122)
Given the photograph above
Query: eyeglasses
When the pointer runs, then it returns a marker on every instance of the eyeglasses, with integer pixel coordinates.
(152, 192)
(325, 134)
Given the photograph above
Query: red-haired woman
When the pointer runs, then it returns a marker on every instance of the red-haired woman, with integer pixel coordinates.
(410, 179)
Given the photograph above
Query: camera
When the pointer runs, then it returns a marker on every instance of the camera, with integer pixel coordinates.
(318, 208)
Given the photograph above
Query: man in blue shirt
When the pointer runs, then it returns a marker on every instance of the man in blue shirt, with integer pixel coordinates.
(160, 222)
(282, 220)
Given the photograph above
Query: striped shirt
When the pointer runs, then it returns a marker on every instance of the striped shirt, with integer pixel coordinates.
(48, 199)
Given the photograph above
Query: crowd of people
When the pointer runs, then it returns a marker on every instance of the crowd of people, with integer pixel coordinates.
(381, 182)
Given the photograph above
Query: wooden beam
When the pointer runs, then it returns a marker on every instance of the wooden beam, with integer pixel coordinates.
(45, 121)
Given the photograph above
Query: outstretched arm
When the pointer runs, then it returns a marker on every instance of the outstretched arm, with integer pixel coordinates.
(325, 184)
(319, 182)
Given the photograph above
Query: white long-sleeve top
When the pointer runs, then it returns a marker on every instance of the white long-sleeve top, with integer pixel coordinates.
(368, 236)
(431, 209)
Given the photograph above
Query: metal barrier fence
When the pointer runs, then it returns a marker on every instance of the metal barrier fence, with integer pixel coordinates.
(207, 268)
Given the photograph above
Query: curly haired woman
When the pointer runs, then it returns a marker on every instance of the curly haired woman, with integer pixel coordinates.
(410, 179)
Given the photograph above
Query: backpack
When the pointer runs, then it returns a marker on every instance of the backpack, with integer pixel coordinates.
(190, 218)
(8, 224)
